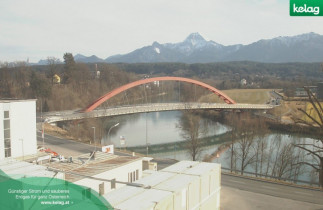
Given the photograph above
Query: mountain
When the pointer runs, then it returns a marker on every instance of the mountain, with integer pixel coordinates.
(83, 59)
(301, 48)
(195, 49)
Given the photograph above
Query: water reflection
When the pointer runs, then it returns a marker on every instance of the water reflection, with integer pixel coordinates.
(161, 128)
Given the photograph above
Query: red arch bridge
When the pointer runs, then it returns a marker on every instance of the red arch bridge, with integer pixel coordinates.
(91, 111)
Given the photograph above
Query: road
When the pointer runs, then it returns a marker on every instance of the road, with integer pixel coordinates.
(66, 147)
(272, 189)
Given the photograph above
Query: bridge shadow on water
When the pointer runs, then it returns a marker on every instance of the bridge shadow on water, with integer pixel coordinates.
(182, 145)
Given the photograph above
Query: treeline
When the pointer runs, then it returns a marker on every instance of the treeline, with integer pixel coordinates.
(229, 74)
(79, 83)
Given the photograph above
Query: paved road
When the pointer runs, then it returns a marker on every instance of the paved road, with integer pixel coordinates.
(277, 190)
(66, 147)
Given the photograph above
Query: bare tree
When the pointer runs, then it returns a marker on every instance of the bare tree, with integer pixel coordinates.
(52, 64)
(260, 145)
(234, 121)
(192, 130)
(245, 130)
(315, 149)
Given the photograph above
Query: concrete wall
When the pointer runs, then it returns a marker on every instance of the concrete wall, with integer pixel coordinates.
(22, 115)
(119, 173)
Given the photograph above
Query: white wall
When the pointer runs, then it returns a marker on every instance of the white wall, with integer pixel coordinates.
(22, 116)
(119, 173)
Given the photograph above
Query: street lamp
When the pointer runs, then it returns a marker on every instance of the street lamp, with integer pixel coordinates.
(109, 141)
(94, 138)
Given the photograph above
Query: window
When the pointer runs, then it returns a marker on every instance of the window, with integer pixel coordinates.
(137, 174)
(6, 114)
(113, 184)
(7, 152)
(6, 134)
(6, 124)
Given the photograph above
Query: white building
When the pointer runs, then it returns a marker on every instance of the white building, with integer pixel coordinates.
(17, 128)
(97, 173)
(184, 185)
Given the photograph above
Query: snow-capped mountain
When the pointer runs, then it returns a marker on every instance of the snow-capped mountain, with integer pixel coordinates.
(301, 48)
(192, 43)
(195, 49)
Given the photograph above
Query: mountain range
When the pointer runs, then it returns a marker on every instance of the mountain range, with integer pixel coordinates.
(195, 49)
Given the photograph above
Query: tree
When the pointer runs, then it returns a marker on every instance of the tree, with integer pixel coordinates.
(260, 146)
(52, 63)
(39, 86)
(192, 129)
(69, 67)
(315, 149)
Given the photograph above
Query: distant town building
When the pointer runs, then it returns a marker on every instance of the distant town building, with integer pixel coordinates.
(17, 128)
(56, 79)
(301, 92)
(184, 185)
(243, 82)
(98, 73)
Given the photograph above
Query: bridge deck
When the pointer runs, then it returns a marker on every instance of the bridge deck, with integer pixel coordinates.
(156, 107)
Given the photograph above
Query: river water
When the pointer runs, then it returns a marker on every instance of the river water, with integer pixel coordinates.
(158, 127)
(162, 127)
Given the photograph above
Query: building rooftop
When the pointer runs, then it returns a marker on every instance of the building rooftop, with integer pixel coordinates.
(180, 166)
(18, 169)
(145, 200)
(165, 188)
(85, 166)
(9, 100)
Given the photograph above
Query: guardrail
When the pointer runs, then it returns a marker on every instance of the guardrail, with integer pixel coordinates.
(257, 175)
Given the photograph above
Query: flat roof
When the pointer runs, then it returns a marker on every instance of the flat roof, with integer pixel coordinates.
(202, 168)
(83, 165)
(180, 166)
(17, 169)
(164, 183)
(155, 178)
(144, 200)
(176, 183)
(116, 197)
(10, 100)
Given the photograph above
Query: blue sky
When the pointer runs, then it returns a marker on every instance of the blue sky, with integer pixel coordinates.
(36, 29)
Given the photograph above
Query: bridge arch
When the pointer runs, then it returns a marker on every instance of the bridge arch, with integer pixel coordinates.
(123, 88)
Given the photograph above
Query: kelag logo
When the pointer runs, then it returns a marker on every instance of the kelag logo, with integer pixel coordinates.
(306, 8)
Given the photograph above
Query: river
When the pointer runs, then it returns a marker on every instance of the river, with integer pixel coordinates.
(163, 127)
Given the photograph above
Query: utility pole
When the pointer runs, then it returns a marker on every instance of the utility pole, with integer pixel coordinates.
(94, 139)
(146, 137)
(42, 123)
